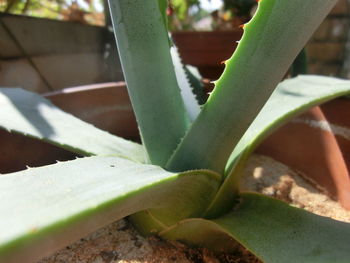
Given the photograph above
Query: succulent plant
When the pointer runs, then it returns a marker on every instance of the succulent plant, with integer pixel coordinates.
(182, 182)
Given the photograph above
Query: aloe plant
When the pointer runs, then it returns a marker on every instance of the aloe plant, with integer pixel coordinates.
(182, 183)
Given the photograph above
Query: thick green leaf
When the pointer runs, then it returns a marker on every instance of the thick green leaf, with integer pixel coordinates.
(194, 78)
(182, 76)
(270, 43)
(29, 114)
(292, 97)
(271, 229)
(153, 221)
(149, 73)
(43, 209)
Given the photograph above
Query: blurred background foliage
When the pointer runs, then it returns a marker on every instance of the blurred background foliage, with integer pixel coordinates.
(82, 11)
(183, 14)
(208, 15)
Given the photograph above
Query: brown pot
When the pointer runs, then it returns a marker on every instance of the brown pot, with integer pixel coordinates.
(302, 143)
(207, 50)
(106, 105)
(317, 144)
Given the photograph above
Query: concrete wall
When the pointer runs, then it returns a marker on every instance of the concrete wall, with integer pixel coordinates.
(327, 48)
(43, 55)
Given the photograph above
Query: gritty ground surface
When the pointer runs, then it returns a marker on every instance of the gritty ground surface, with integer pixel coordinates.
(119, 242)
(272, 178)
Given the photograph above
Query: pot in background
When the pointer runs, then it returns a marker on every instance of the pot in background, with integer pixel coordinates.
(206, 50)
(317, 144)
(107, 106)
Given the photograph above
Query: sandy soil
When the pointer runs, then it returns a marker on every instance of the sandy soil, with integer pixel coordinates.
(272, 178)
(119, 242)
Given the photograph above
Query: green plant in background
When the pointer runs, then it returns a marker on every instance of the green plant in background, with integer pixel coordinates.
(184, 14)
(182, 183)
(179, 14)
(234, 13)
(57, 9)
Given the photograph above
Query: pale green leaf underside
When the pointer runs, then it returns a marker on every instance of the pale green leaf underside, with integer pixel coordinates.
(292, 97)
(46, 208)
(31, 115)
(273, 231)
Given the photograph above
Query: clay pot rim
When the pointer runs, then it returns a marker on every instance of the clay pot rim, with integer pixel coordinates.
(81, 88)
(207, 32)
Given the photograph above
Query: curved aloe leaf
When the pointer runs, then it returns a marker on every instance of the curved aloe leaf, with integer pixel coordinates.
(272, 230)
(29, 114)
(194, 78)
(45, 208)
(270, 43)
(182, 76)
(292, 97)
(154, 220)
(149, 73)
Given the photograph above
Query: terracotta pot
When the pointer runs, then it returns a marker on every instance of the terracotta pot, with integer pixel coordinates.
(317, 144)
(107, 106)
(17, 152)
(305, 144)
(206, 50)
